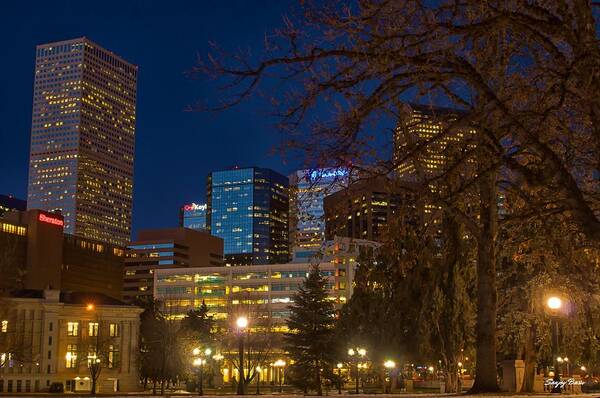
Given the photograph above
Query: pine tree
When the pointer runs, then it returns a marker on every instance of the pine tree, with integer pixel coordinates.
(311, 323)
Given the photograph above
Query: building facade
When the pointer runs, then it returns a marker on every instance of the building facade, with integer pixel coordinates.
(166, 248)
(248, 208)
(37, 254)
(261, 291)
(82, 139)
(49, 337)
(427, 135)
(365, 209)
(9, 203)
(193, 216)
(308, 189)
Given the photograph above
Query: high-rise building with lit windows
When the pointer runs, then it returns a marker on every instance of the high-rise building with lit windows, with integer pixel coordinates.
(424, 137)
(308, 189)
(248, 208)
(82, 138)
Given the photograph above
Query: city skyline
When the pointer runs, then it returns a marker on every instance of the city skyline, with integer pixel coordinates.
(165, 130)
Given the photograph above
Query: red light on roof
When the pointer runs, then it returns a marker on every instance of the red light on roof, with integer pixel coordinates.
(51, 220)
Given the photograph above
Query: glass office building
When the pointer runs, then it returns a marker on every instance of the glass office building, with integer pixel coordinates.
(308, 189)
(193, 216)
(248, 208)
(82, 139)
(261, 291)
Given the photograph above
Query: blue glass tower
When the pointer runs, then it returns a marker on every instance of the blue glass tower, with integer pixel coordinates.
(248, 208)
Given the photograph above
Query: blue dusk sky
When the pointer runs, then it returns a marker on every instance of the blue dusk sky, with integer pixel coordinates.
(175, 149)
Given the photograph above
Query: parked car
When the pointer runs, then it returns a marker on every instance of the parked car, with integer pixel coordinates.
(57, 388)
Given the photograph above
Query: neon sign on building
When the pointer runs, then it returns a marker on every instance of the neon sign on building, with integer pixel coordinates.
(194, 206)
(51, 220)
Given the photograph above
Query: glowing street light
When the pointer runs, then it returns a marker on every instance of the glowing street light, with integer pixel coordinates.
(355, 354)
(554, 303)
(258, 370)
(339, 367)
(199, 363)
(280, 364)
(389, 365)
(242, 324)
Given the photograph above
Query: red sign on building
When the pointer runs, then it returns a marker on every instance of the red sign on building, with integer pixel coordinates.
(51, 220)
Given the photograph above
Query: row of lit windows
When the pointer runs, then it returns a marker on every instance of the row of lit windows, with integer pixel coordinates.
(13, 229)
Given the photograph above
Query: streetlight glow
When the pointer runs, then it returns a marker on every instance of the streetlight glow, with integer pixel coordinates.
(351, 352)
(207, 352)
(554, 303)
(196, 351)
(389, 364)
(242, 322)
(362, 352)
(339, 365)
(90, 307)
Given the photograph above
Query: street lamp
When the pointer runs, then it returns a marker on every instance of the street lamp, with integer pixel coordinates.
(554, 304)
(280, 364)
(389, 365)
(242, 324)
(199, 363)
(356, 354)
(258, 370)
(339, 368)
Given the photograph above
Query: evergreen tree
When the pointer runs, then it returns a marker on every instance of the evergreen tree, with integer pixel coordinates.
(311, 323)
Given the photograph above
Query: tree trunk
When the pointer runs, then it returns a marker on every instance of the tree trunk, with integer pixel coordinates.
(485, 373)
(530, 358)
(153, 386)
(162, 387)
(451, 379)
(318, 379)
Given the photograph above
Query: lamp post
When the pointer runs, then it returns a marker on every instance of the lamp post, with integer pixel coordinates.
(199, 363)
(280, 364)
(356, 355)
(389, 365)
(554, 304)
(258, 369)
(339, 368)
(242, 324)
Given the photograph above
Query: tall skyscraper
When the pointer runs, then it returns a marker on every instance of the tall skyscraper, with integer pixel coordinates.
(428, 132)
(82, 138)
(248, 208)
(193, 216)
(308, 189)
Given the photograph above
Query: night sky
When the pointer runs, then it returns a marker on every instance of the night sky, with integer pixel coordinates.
(175, 149)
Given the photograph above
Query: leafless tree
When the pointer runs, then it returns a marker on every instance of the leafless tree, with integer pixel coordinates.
(526, 73)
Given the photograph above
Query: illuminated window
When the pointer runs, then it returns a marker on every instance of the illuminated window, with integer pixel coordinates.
(93, 329)
(72, 328)
(113, 330)
(113, 356)
(4, 326)
(71, 356)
